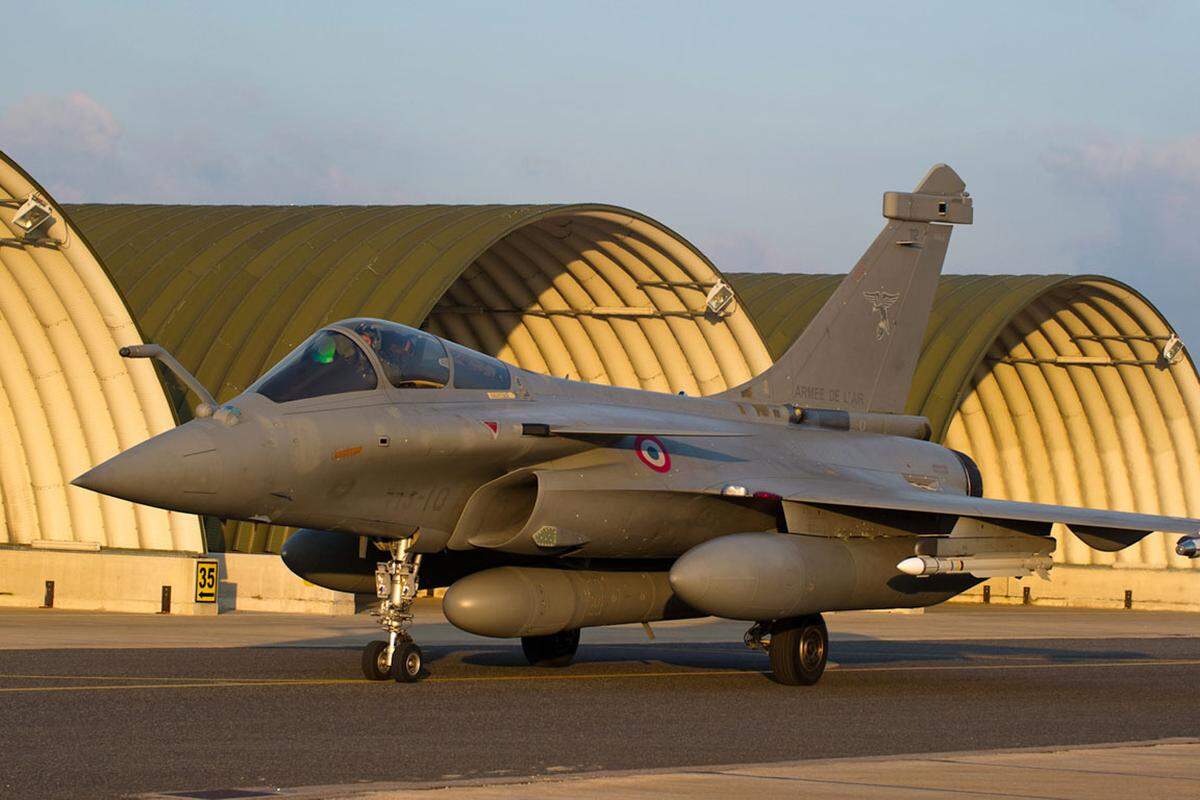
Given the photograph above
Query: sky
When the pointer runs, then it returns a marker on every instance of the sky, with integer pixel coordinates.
(763, 132)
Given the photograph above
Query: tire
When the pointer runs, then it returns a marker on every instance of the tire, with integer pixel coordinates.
(374, 662)
(407, 663)
(799, 650)
(552, 650)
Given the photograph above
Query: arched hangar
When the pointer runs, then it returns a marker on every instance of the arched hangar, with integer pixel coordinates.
(67, 400)
(1052, 383)
(589, 292)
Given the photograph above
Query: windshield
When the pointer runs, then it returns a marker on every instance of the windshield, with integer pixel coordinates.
(327, 363)
(411, 359)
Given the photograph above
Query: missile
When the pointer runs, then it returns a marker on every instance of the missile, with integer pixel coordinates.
(1188, 546)
(979, 566)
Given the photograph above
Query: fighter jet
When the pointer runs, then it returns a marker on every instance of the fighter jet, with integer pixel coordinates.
(548, 505)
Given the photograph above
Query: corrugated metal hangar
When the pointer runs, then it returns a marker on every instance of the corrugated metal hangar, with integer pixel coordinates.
(1054, 384)
(67, 399)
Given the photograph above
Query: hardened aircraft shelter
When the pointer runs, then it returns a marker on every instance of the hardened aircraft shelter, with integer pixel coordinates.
(1055, 385)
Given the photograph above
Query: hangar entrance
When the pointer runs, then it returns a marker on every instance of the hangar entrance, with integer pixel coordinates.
(601, 297)
(1075, 403)
(1056, 385)
(589, 292)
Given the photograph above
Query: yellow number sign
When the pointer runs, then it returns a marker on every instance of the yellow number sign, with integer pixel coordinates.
(206, 581)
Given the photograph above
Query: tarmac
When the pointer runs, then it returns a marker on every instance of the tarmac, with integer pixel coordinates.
(1161, 769)
(975, 701)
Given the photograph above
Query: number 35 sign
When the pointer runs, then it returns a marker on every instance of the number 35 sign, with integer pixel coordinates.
(206, 580)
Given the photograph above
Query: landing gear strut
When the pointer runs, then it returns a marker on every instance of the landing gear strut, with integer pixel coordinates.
(798, 648)
(396, 583)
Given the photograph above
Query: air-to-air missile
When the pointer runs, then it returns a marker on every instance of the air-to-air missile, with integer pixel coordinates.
(548, 506)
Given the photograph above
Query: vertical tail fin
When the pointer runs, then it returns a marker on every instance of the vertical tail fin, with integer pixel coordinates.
(860, 351)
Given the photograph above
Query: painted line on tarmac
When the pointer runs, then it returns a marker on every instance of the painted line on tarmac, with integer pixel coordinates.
(233, 682)
(185, 679)
(209, 685)
(835, 671)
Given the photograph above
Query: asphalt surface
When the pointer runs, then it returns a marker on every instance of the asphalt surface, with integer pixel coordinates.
(99, 723)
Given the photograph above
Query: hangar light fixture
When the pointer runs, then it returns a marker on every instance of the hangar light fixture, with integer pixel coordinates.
(33, 215)
(1173, 349)
(719, 299)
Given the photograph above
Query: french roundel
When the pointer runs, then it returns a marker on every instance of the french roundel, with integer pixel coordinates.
(652, 453)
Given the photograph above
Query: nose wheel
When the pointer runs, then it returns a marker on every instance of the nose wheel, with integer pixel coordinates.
(375, 661)
(407, 663)
(396, 582)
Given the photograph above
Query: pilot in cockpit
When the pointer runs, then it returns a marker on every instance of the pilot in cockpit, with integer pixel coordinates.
(410, 359)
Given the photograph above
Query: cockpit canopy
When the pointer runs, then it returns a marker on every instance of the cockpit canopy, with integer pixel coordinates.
(328, 362)
(335, 360)
(411, 359)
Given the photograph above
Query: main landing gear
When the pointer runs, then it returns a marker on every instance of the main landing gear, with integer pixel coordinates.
(798, 648)
(552, 650)
(396, 585)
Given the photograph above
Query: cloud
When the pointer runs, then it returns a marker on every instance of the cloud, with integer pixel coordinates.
(1151, 189)
(1105, 162)
(75, 125)
(744, 251)
(1150, 192)
(77, 148)
(67, 141)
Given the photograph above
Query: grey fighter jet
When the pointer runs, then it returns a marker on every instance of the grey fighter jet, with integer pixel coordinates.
(548, 505)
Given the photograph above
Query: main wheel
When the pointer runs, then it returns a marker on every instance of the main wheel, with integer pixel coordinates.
(552, 650)
(799, 649)
(374, 661)
(407, 662)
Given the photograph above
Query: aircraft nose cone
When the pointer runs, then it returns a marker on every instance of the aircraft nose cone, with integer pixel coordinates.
(171, 470)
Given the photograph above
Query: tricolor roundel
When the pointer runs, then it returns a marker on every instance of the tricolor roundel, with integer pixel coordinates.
(652, 453)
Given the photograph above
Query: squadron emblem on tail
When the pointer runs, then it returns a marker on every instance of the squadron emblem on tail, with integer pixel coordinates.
(880, 303)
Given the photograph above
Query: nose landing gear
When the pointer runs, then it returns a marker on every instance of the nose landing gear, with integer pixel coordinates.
(396, 582)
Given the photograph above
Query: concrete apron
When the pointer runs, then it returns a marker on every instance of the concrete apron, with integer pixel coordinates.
(159, 582)
(1116, 771)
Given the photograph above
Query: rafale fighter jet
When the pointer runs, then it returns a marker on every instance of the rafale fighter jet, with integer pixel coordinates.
(549, 505)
